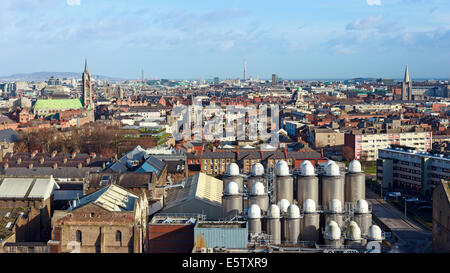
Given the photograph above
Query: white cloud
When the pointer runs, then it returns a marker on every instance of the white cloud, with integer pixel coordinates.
(73, 2)
(373, 2)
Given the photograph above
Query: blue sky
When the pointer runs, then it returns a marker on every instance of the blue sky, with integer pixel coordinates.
(300, 39)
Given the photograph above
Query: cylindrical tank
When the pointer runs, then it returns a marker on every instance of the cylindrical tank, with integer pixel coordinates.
(307, 183)
(309, 230)
(355, 183)
(353, 235)
(335, 213)
(259, 196)
(332, 236)
(332, 185)
(232, 174)
(293, 224)
(375, 234)
(231, 200)
(257, 176)
(284, 183)
(273, 224)
(362, 216)
(254, 219)
(283, 204)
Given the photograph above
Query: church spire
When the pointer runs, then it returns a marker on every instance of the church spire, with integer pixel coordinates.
(407, 79)
(86, 66)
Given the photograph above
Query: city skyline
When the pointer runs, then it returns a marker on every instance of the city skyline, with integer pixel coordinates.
(177, 40)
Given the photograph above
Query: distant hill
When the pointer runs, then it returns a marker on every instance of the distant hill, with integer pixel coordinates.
(44, 76)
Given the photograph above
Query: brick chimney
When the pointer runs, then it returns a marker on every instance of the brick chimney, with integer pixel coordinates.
(30, 166)
(19, 160)
(285, 153)
(74, 154)
(65, 159)
(54, 153)
(42, 160)
(55, 165)
(80, 165)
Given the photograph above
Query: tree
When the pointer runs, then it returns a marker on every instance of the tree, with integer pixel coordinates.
(348, 153)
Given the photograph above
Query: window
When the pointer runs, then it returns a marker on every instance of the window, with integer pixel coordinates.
(119, 237)
(78, 236)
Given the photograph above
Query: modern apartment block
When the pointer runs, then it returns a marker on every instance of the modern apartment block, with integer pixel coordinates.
(367, 145)
(400, 167)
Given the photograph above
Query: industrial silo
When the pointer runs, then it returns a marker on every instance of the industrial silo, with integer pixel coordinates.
(332, 236)
(254, 219)
(259, 196)
(353, 235)
(293, 225)
(273, 224)
(375, 234)
(257, 176)
(362, 216)
(335, 213)
(232, 174)
(332, 185)
(284, 183)
(307, 183)
(310, 228)
(231, 200)
(355, 184)
(283, 204)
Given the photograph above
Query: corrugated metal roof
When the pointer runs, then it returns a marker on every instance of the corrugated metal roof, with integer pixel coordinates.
(221, 236)
(111, 198)
(15, 187)
(43, 188)
(209, 188)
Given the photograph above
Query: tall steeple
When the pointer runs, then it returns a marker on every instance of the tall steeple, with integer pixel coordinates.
(86, 66)
(407, 79)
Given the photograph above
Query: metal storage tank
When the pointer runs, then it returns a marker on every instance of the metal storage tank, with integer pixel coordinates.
(258, 175)
(332, 185)
(355, 183)
(293, 225)
(309, 230)
(362, 216)
(335, 213)
(231, 200)
(332, 235)
(254, 219)
(273, 224)
(375, 234)
(283, 204)
(307, 183)
(353, 235)
(259, 196)
(232, 174)
(284, 183)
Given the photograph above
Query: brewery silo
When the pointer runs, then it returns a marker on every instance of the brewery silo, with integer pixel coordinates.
(353, 235)
(284, 183)
(310, 228)
(231, 200)
(332, 236)
(375, 234)
(254, 219)
(273, 224)
(335, 213)
(355, 184)
(293, 225)
(307, 183)
(363, 216)
(257, 175)
(259, 196)
(232, 174)
(283, 204)
(332, 185)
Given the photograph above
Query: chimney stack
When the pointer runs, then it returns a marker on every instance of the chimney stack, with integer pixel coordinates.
(55, 165)
(41, 160)
(74, 154)
(54, 153)
(80, 165)
(19, 160)
(30, 165)
(65, 159)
